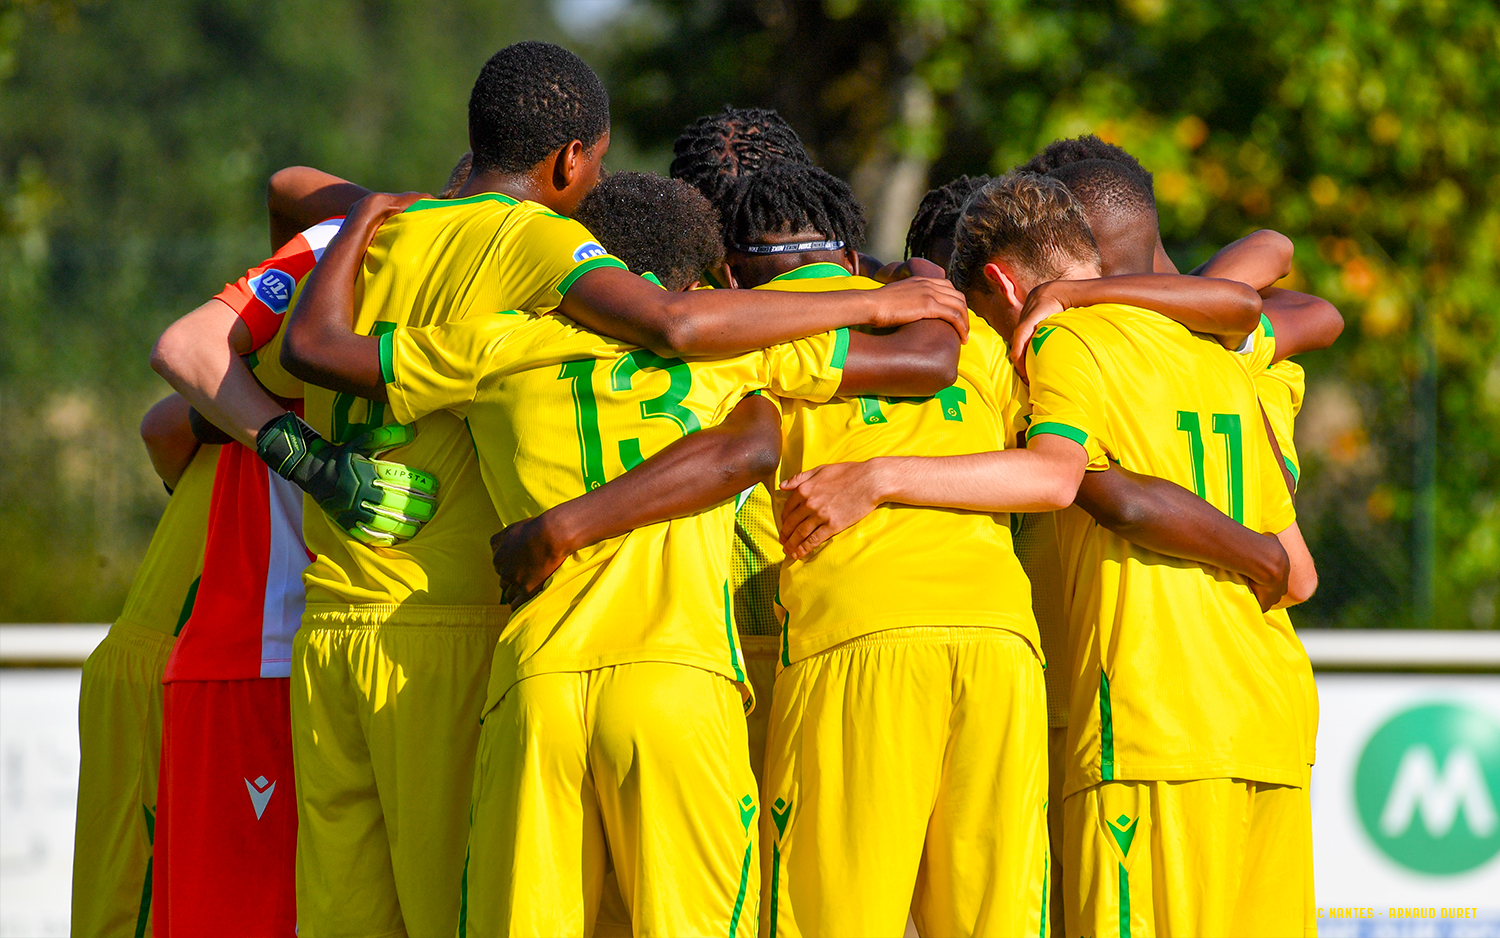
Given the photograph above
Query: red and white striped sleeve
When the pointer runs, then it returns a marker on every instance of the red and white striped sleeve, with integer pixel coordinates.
(263, 296)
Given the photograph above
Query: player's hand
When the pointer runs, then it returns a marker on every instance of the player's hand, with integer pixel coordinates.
(1270, 585)
(904, 301)
(376, 502)
(525, 555)
(826, 500)
(376, 207)
(1043, 302)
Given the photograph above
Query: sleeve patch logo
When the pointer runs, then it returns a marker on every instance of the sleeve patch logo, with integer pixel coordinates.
(274, 288)
(587, 250)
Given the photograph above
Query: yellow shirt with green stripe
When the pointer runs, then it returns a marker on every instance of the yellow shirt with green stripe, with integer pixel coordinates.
(1281, 388)
(439, 261)
(902, 565)
(556, 410)
(1176, 674)
(161, 595)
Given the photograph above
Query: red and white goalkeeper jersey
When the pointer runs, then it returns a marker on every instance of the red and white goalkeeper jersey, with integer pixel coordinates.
(250, 597)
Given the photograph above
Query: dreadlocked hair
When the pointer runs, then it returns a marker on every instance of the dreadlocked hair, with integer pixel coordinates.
(654, 224)
(530, 99)
(716, 149)
(1060, 153)
(1030, 220)
(938, 213)
(1107, 188)
(458, 177)
(790, 198)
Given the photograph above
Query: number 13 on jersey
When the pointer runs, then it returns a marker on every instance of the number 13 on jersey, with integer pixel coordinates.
(667, 406)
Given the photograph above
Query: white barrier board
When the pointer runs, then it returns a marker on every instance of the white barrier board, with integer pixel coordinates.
(1406, 831)
(38, 798)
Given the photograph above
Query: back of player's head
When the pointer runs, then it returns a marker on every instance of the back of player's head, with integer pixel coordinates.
(654, 224)
(1121, 212)
(716, 149)
(793, 198)
(1029, 220)
(458, 177)
(938, 214)
(1060, 153)
(530, 99)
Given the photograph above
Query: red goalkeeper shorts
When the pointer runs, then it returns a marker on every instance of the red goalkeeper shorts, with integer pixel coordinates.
(226, 819)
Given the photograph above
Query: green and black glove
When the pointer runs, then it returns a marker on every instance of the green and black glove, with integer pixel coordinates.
(377, 502)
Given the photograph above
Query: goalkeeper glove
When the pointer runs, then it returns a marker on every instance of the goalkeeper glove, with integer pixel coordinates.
(376, 502)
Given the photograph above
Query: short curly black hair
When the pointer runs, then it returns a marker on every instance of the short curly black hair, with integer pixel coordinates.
(530, 99)
(938, 214)
(1060, 153)
(654, 224)
(716, 149)
(1108, 187)
(791, 198)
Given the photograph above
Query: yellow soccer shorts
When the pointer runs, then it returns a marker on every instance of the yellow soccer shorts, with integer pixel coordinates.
(385, 725)
(1057, 747)
(761, 655)
(907, 772)
(119, 730)
(644, 761)
(1197, 858)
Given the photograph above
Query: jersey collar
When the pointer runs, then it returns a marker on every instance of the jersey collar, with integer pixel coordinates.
(814, 271)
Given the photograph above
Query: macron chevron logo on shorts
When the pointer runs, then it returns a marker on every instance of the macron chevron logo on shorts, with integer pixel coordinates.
(274, 288)
(260, 794)
(587, 250)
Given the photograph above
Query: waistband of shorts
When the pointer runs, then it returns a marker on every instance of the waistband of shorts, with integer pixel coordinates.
(399, 615)
(929, 635)
(127, 634)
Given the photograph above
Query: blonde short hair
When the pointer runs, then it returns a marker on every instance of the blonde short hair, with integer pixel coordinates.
(1030, 220)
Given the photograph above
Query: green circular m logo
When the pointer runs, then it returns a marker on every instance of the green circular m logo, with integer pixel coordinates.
(1426, 786)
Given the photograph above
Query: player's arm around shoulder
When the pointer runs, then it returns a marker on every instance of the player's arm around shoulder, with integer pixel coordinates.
(321, 346)
(169, 438)
(689, 475)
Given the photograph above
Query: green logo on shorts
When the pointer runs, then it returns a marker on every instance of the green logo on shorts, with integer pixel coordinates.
(780, 812)
(1425, 788)
(747, 812)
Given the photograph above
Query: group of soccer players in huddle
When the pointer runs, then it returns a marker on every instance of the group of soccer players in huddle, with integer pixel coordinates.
(669, 567)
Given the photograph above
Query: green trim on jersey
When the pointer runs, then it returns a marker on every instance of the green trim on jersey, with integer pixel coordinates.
(1292, 468)
(1106, 731)
(649, 276)
(814, 272)
(1265, 323)
(187, 605)
(593, 263)
(840, 348)
(422, 205)
(388, 358)
(1059, 429)
(734, 650)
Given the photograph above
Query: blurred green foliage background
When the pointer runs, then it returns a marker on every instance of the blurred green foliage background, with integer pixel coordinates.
(135, 140)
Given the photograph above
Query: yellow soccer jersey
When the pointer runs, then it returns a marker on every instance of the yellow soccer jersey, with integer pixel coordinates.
(436, 262)
(1281, 388)
(1174, 669)
(161, 596)
(901, 565)
(556, 411)
(755, 563)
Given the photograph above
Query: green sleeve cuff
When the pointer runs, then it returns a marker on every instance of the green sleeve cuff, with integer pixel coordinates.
(593, 263)
(387, 358)
(1265, 323)
(1059, 429)
(840, 348)
(1292, 468)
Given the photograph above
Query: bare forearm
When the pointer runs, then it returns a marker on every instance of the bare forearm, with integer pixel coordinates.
(690, 475)
(1223, 308)
(1164, 517)
(321, 345)
(1302, 322)
(299, 197)
(917, 360)
(1259, 259)
(199, 355)
(1010, 480)
(169, 439)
